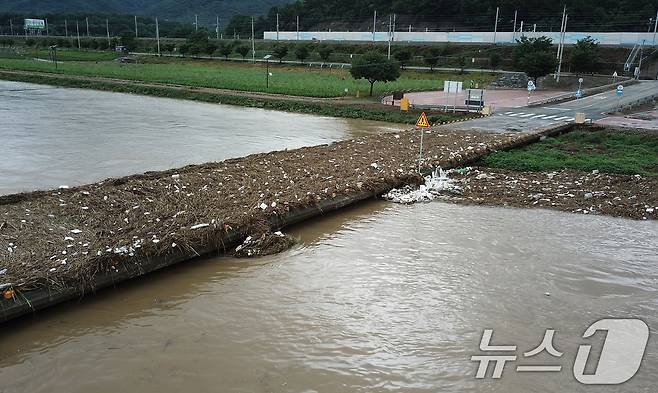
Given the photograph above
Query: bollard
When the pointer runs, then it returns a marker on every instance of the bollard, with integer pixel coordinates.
(486, 110)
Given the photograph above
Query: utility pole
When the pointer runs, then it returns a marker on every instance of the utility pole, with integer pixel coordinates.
(11, 27)
(87, 21)
(47, 32)
(521, 29)
(559, 44)
(297, 27)
(655, 29)
(253, 42)
(374, 26)
(107, 30)
(564, 14)
(157, 34)
(559, 64)
(196, 22)
(277, 26)
(394, 15)
(136, 35)
(77, 29)
(390, 26)
(217, 28)
(534, 28)
(514, 29)
(496, 25)
(66, 28)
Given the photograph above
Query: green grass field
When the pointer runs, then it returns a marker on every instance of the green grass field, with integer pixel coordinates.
(611, 152)
(298, 81)
(62, 55)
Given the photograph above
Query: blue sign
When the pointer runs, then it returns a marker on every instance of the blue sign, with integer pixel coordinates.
(620, 93)
(579, 93)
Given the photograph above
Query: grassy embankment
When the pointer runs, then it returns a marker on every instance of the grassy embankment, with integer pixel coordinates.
(585, 150)
(296, 81)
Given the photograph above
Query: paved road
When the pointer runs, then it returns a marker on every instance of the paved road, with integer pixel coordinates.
(595, 107)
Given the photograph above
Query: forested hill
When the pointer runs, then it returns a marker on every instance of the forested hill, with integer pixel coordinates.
(462, 15)
(179, 10)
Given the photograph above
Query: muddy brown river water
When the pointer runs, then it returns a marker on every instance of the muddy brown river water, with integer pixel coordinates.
(376, 298)
(55, 136)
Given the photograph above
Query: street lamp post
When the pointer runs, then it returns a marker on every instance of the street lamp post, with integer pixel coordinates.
(267, 71)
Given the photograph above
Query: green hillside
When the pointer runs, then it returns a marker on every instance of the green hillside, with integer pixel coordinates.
(207, 10)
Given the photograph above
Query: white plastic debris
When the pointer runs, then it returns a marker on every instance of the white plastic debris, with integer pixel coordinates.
(197, 226)
(76, 231)
(263, 206)
(176, 176)
(435, 185)
(3, 271)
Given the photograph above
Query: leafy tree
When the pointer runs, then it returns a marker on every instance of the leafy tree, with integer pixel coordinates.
(198, 42)
(534, 56)
(302, 52)
(432, 56)
(494, 60)
(374, 67)
(325, 52)
(243, 50)
(280, 51)
(461, 62)
(128, 40)
(168, 47)
(211, 47)
(584, 55)
(402, 55)
(184, 48)
(225, 49)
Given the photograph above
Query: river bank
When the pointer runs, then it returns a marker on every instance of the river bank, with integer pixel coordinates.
(588, 170)
(352, 109)
(628, 196)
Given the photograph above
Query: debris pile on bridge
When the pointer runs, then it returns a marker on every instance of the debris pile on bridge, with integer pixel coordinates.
(65, 237)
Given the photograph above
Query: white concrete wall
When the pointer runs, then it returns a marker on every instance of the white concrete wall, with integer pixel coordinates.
(621, 39)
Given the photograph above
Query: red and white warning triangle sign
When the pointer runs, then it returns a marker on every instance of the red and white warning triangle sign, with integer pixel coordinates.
(422, 121)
